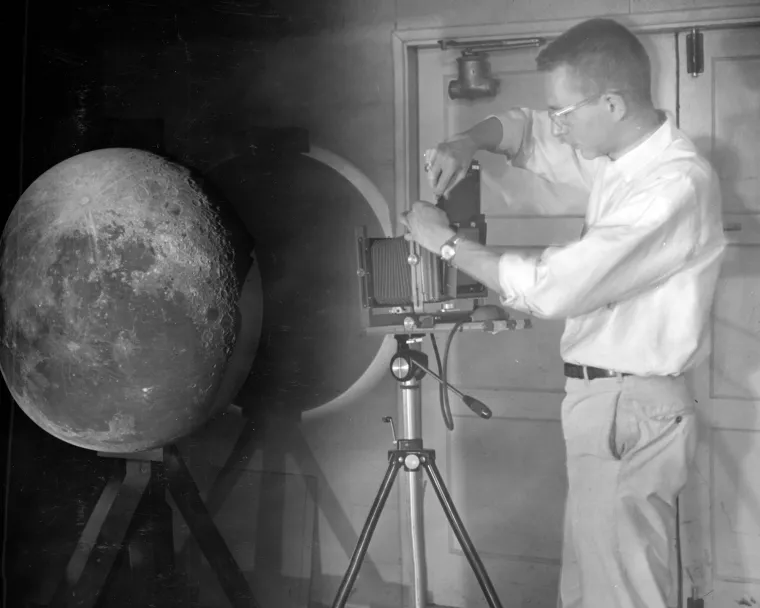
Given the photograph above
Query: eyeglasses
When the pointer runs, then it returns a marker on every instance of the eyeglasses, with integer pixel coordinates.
(559, 117)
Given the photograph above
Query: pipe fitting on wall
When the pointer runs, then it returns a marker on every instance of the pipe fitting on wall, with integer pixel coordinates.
(474, 72)
(474, 78)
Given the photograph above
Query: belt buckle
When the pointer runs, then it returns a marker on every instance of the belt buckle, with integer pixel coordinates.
(598, 372)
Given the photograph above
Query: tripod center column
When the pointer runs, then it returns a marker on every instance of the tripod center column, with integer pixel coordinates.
(411, 349)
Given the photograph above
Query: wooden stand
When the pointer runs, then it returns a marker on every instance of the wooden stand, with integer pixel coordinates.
(110, 530)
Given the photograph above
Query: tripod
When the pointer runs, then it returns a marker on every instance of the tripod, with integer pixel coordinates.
(408, 367)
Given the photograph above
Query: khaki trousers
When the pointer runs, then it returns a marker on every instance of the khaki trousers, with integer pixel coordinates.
(630, 441)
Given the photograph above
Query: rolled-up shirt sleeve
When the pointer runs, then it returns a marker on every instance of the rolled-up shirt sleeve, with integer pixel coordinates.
(645, 241)
(545, 155)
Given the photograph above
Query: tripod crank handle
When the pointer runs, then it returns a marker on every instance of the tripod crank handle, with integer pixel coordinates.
(389, 420)
(480, 408)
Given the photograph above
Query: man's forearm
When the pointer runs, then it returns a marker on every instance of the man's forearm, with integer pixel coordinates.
(486, 135)
(479, 262)
(494, 134)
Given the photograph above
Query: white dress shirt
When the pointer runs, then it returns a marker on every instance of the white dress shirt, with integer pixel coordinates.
(637, 288)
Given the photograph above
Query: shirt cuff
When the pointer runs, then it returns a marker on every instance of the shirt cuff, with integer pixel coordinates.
(517, 275)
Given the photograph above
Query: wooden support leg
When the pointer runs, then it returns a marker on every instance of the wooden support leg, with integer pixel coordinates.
(151, 576)
(147, 536)
(191, 506)
(245, 447)
(102, 539)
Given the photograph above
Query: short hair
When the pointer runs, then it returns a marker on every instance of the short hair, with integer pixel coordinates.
(606, 55)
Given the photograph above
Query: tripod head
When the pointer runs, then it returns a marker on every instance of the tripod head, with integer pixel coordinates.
(411, 364)
(408, 363)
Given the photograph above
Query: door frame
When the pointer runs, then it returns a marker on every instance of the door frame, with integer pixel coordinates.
(405, 46)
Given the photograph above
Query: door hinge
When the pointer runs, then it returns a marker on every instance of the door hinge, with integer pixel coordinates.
(695, 53)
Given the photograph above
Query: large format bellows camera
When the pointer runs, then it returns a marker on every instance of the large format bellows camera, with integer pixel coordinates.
(399, 280)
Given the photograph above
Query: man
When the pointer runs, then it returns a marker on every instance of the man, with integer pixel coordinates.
(636, 292)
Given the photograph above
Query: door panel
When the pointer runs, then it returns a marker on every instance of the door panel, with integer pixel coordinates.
(506, 474)
(735, 150)
(720, 110)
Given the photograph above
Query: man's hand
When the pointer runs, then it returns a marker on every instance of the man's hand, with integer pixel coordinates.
(449, 162)
(428, 225)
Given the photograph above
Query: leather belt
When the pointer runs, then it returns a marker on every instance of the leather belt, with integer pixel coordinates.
(576, 371)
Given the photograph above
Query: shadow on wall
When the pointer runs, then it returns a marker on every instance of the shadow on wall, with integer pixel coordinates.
(302, 216)
(301, 227)
(318, 82)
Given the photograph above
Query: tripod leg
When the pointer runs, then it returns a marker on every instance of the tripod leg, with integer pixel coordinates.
(461, 533)
(366, 536)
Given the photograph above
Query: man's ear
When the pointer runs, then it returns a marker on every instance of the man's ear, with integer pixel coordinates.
(616, 106)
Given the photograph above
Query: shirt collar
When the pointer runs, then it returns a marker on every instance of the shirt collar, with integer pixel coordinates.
(632, 161)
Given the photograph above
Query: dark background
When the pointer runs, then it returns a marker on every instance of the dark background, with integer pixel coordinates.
(88, 74)
(58, 84)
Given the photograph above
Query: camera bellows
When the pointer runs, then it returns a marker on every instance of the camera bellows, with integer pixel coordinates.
(392, 284)
(391, 274)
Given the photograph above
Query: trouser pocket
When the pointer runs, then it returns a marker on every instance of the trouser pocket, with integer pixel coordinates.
(588, 414)
(647, 411)
(633, 430)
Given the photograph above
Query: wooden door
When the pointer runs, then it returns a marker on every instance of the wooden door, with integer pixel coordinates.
(720, 110)
(507, 474)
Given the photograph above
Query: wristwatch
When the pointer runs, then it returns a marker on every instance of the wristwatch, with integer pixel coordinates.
(449, 248)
